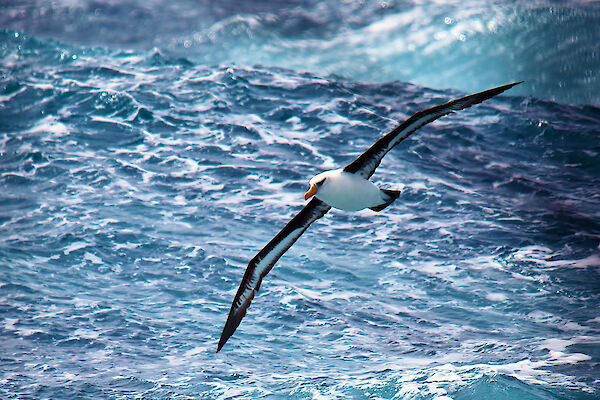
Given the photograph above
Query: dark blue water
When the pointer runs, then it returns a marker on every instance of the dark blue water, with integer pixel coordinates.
(148, 150)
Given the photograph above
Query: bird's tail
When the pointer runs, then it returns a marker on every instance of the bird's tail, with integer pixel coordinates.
(388, 196)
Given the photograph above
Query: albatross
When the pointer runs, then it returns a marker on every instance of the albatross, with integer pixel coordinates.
(347, 189)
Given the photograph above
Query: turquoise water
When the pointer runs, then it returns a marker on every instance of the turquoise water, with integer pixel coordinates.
(147, 153)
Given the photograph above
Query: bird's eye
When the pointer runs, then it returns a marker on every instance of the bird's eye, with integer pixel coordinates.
(320, 182)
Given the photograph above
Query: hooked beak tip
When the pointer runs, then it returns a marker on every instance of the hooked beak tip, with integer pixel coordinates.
(311, 192)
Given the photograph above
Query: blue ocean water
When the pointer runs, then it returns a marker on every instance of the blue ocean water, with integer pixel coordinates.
(149, 149)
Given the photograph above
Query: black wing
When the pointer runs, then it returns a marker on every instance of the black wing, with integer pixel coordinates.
(262, 263)
(368, 161)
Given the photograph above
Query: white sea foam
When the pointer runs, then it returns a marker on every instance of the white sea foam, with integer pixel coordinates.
(76, 246)
(92, 258)
(544, 257)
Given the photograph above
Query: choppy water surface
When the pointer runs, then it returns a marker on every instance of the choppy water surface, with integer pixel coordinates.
(137, 181)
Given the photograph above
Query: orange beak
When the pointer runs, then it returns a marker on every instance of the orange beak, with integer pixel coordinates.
(311, 192)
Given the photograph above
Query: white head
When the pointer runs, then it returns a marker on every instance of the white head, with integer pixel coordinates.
(318, 181)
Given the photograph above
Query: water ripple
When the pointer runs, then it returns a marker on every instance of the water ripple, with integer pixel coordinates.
(136, 188)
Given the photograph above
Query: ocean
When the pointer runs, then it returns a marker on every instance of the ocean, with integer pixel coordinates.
(149, 149)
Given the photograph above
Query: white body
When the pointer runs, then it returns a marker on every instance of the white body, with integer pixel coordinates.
(347, 191)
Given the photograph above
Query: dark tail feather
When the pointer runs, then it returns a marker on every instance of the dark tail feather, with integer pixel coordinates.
(391, 195)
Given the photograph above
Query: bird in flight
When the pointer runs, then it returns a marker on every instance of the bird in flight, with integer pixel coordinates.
(346, 188)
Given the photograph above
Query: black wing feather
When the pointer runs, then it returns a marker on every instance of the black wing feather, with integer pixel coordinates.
(368, 161)
(263, 262)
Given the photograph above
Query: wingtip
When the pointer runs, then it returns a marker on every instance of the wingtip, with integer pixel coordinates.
(504, 88)
(221, 344)
(233, 321)
(222, 341)
(507, 86)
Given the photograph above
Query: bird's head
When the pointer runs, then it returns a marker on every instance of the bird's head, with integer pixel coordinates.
(317, 182)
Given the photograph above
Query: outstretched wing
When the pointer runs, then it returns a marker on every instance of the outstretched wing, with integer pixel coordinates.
(262, 263)
(368, 161)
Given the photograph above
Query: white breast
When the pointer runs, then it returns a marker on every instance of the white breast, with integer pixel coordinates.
(347, 191)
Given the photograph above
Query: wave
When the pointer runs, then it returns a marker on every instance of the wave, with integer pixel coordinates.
(137, 184)
(468, 45)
